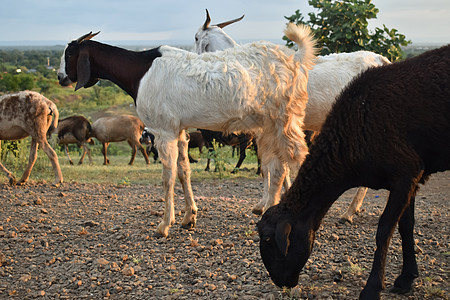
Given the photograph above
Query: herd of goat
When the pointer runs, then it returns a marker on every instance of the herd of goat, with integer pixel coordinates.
(381, 125)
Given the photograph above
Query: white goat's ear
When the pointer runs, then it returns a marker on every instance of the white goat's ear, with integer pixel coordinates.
(83, 70)
(282, 233)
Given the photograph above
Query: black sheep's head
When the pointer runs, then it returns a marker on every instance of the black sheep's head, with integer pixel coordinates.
(285, 245)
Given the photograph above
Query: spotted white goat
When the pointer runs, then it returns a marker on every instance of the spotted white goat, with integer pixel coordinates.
(258, 87)
(25, 114)
(328, 77)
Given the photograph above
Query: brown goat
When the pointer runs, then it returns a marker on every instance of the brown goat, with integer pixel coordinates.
(75, 130)
(117, 129)
(25, 114)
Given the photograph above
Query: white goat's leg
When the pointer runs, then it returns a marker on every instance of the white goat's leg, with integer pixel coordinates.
(258, 209)
(53, 159)
(184, 175)
(355, 206)
(287, 179)
(168, 153)
(66, 150)
(12, 179)
(277, 171)
(31, 161)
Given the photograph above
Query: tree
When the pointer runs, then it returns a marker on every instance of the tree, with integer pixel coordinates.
(341, 26)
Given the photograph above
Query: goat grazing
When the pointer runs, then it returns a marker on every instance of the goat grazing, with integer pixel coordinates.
(389, 129)
(258, 87)
(195, 141)
(75, 130)
(25, 114)
(243, 141)
(148, 138)
(117, 129)
(328, 77)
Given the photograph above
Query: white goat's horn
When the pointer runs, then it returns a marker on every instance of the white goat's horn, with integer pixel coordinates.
(208, 20)
(86, 37)
(222, 25)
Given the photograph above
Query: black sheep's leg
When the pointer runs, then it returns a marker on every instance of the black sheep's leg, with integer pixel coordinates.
(410, 271)
(398, 200)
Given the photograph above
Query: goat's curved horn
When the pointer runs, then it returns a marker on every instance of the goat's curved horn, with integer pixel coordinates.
(208, 20)
(222, 25)
(86, 37)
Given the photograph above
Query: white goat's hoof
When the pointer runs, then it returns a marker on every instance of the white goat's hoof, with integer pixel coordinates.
(162, 230)
(257, 211)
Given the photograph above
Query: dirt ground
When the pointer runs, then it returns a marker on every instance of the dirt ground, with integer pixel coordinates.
(91, 241)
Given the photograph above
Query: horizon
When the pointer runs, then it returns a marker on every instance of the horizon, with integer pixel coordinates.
(176, 21)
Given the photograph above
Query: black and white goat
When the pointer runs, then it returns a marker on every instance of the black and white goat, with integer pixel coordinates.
(148, 138)
(259, 87)
(389, 129)
(328, 77)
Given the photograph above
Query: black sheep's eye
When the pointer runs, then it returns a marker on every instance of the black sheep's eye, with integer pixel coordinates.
(267, 238)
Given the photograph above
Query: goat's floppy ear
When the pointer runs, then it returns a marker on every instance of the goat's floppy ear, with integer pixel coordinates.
(282, 233)
(83, 70)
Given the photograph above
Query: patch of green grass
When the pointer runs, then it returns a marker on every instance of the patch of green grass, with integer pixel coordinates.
(119, 172)
(356, 269)
(432, 292)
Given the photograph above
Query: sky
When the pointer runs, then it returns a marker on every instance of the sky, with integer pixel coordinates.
(175, 22)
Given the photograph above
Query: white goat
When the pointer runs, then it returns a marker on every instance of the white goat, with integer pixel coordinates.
(328, 77)
(259, 87)
(25, 114)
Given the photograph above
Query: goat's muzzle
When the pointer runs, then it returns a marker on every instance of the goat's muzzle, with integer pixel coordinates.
(64, 80)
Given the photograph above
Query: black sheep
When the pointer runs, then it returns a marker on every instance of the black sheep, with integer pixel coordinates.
(389, 129)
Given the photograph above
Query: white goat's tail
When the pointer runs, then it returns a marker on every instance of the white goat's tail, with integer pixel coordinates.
(303, 37)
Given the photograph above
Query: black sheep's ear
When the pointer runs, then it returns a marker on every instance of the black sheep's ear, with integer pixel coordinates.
(83, 70)
(282, 233)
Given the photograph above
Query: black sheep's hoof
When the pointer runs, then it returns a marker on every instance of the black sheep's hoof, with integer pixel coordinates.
(398, 290)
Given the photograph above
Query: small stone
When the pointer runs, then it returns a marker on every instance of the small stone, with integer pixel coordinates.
(91, 223)
(128, 271)
(102, 261)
